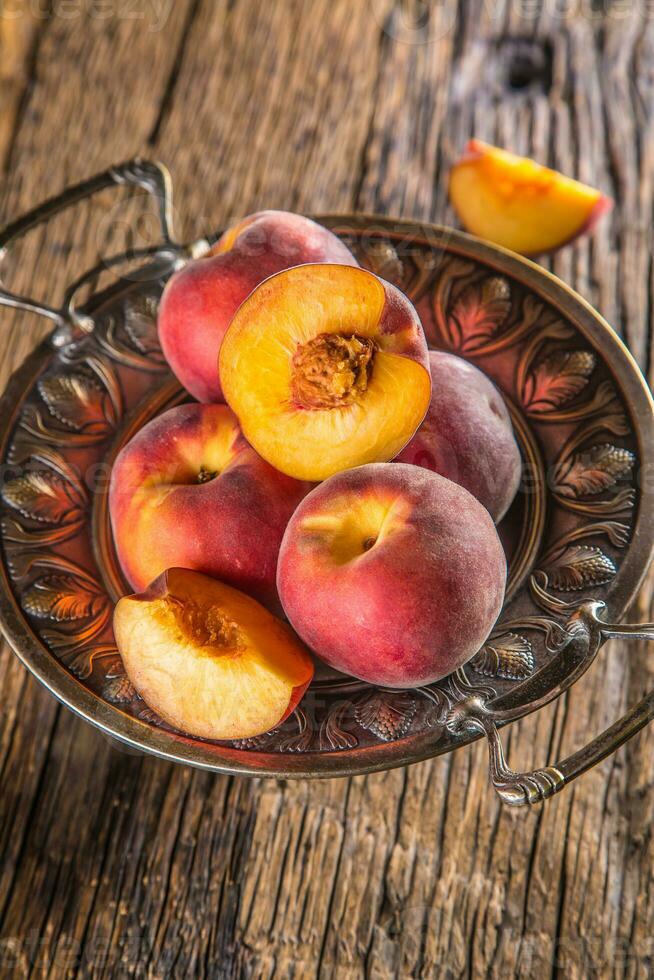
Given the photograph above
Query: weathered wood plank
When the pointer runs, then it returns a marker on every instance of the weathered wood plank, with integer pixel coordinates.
(112, 864)
(20, 34)
(279, 126)
(491, 891)
(86, 107)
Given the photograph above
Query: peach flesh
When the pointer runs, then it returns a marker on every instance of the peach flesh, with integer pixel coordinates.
(189, 491)
(392, 573)
(326, 368)
(208, 659)
(519, 204)
(467, 434)
(200, 300)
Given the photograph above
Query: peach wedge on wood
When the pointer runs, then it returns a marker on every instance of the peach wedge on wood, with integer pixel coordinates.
(392, 573)
(200, 300)
(208, 659)
(326, 368)
(189, 491)
(515, 202)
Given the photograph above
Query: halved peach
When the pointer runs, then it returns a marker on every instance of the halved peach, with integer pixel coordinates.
(200, 299)
(515, 202)
(208, 659)
(326, 368)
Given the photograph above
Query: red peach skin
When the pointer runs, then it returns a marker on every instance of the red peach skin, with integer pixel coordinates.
(392, 573)
(189, 491)
(467, 434)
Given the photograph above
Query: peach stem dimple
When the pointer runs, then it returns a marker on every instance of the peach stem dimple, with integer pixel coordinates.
(331, 370)
(206, 476)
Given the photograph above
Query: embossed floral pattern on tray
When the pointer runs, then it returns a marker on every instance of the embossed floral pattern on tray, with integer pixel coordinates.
(90, 397)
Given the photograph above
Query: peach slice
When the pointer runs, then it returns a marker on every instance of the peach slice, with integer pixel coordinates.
(326, 368)
(515, 202)
(208, 659)
(200, 300)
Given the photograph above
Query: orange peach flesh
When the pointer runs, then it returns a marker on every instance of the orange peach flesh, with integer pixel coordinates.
(208, 659)
(515, 202)
(326, 368)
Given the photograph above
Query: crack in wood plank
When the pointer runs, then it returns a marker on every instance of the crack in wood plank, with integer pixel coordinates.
(144, 869)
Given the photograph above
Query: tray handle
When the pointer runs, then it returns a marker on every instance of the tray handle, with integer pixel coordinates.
(145, 174)
(586, 631)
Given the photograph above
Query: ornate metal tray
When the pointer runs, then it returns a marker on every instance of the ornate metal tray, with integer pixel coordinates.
(578, 538)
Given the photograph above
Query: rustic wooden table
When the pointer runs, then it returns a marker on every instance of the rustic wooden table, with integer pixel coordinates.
(112, 864)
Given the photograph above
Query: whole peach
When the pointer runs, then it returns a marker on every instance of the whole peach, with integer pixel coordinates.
(467, 434)
(200, 300)
(392, 573)
(188, 491)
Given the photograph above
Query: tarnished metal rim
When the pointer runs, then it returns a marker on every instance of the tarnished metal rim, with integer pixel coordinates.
(621, 592)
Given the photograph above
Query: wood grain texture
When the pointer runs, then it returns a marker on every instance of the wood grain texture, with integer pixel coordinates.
(116, 865)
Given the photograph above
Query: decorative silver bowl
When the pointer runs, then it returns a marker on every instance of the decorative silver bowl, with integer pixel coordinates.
(578, 538)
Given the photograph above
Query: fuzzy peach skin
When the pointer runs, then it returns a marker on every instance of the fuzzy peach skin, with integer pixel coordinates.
(515, 202)
(326, 368)
(392, 573)
(208, 659)
(189, 491)
(467, 434)
(200, 300)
